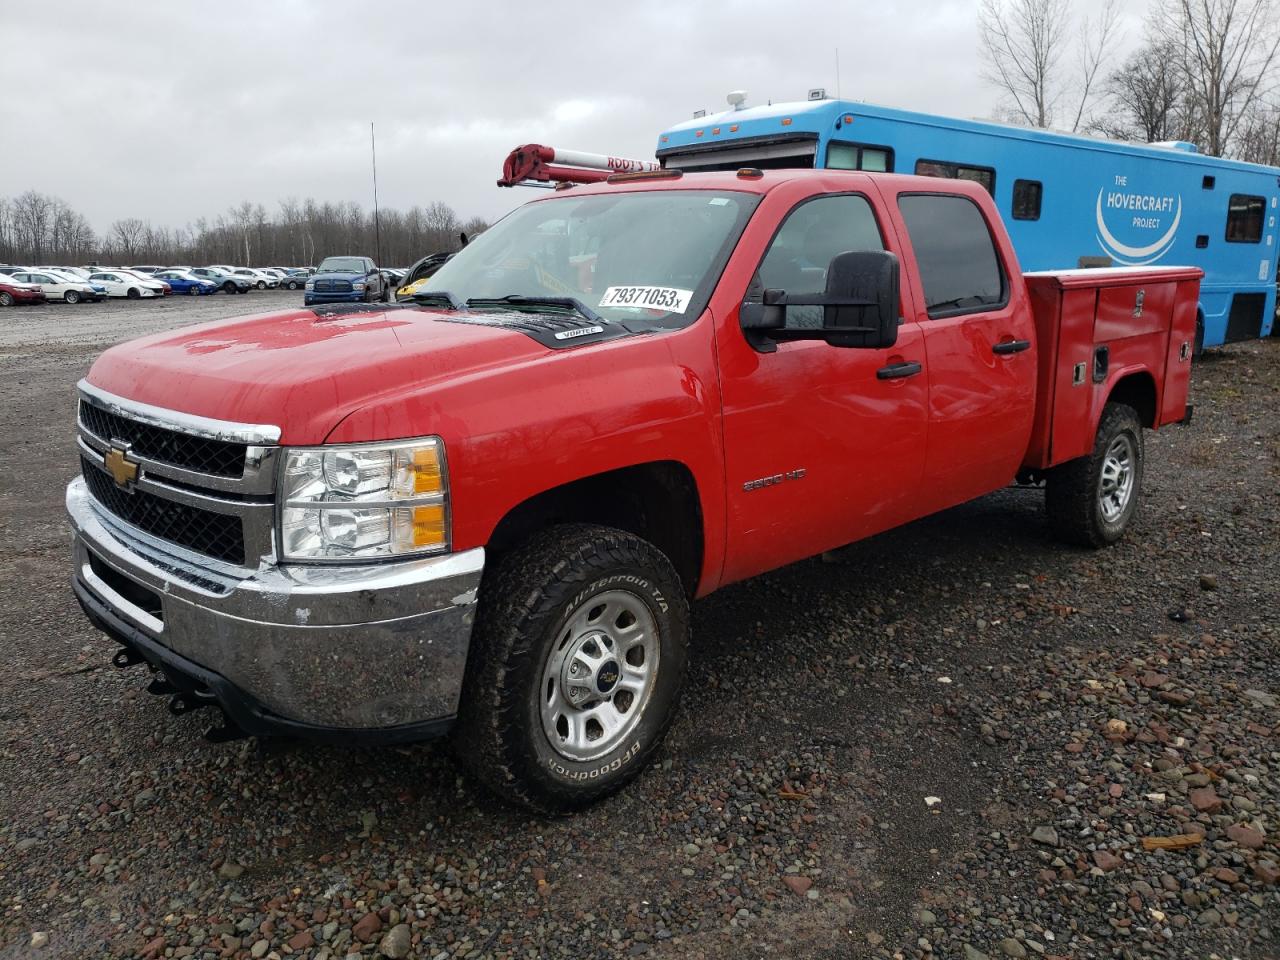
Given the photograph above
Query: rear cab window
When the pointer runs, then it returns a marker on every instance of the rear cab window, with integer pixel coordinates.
(956, 255)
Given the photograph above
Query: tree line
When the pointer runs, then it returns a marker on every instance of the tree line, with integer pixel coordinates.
(1204, 72)
(36, 228)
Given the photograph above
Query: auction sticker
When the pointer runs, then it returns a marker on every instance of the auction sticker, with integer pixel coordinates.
(648, 298)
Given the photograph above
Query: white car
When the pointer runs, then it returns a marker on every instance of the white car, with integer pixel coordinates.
(122, 283)
(58, 286)
(258, 278)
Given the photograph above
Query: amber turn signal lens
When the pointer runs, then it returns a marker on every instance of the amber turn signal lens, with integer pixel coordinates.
(428, 526)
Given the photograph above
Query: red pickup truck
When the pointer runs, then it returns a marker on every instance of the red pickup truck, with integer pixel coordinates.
(485, 512)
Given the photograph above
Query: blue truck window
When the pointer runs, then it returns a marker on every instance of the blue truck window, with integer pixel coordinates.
(1244, 218)
(957, 258)
(857, 156)
(958, 171)
(1026, 199)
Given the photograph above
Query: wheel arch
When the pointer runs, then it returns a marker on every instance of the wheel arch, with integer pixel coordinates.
(657, 501)
(1137, 389)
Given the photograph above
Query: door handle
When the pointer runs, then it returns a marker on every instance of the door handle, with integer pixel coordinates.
(896, 371)
(1011, 346)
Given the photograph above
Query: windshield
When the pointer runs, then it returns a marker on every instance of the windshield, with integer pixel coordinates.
(649, 255)
(342, 265)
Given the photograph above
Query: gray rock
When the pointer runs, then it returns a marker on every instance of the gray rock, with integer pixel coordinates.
(39, 939)
(230, 870)
(259, 949)
(395, 944)
(1046, 835)
(973, 953)
(1012, 948)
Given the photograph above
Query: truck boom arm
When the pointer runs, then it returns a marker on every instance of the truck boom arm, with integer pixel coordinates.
(534, 165)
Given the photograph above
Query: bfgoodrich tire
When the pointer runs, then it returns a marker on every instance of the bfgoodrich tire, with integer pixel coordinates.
(576, 663)
(1092, 500)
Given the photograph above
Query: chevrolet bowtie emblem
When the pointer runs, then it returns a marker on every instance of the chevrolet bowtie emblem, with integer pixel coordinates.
(122, 470)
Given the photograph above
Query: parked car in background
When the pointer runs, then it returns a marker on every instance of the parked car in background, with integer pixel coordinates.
(57, 286)
(395, 276)
(227, 282)
(122, 283)
(147, 269)
(99, 291)
(183, 282)
(422, 271)
(346, 280)
(15, 291)
(259, 279)
(165, 288)
(295, 278)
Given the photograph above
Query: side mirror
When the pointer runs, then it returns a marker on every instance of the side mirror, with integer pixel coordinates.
(859, 307)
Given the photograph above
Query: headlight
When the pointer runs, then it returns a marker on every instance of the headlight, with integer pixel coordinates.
(309, 285)
(364, 502)
(357, 285)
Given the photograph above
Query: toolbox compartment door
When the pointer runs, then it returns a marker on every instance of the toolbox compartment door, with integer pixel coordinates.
(1094, 326)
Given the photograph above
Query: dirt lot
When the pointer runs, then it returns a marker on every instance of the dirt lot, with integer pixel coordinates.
(951, 742)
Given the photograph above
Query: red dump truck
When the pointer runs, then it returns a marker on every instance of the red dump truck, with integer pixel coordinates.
(484, 513)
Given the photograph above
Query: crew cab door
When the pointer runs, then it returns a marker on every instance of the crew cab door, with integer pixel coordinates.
(823, 444)
(979, 338)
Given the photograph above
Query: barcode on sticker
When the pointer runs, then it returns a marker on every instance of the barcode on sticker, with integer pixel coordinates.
(648, 298)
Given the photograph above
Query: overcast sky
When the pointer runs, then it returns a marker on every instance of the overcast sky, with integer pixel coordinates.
(173, 110)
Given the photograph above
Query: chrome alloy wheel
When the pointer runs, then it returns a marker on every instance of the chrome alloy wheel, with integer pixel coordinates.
(600, 675)
(1116, 484)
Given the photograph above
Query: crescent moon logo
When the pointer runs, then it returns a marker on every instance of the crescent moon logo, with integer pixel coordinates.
(1136, 256)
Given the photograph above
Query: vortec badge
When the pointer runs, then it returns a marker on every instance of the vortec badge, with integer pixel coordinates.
(122, 470)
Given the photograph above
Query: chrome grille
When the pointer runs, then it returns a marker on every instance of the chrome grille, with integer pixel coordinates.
(201, 454)
(216, 535)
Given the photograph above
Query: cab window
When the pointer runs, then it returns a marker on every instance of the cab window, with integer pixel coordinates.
(802, 249)
(955, 254)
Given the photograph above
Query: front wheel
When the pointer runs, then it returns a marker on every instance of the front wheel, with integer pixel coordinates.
(133, 293)
(6, 298)
(262, 284)
(1092, 500)
(71, 296)
(194, 290)
(575, 668)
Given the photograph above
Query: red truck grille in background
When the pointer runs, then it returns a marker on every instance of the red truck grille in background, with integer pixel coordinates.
(216, 535)
(216, 457)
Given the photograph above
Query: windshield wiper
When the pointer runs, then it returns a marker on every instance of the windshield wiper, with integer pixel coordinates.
(519, 300)
(439, 297)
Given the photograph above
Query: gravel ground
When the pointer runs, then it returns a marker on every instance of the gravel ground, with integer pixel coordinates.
(951, 741)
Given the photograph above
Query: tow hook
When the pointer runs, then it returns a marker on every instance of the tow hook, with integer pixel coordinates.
(125, 658)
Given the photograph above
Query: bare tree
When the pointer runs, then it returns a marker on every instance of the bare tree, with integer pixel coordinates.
(1025, 43)
(1258, 140)
(1226, 49)
(1148, 98)
(125, 238)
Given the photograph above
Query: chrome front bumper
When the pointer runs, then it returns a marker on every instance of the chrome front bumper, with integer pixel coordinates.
(371, 647)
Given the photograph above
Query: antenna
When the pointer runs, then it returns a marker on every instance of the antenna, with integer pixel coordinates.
(837, 73)
(377, 224)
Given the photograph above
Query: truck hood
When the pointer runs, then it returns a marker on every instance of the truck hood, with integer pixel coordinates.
(300, 370)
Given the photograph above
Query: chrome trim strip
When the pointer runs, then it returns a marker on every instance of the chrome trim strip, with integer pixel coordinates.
(258, 478)
(226, 430)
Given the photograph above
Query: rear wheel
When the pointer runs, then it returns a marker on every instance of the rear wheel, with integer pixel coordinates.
(1092, 500)
(133, 293)
(71, 296)
(6, 298)
(262, 284)
(575, 667)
